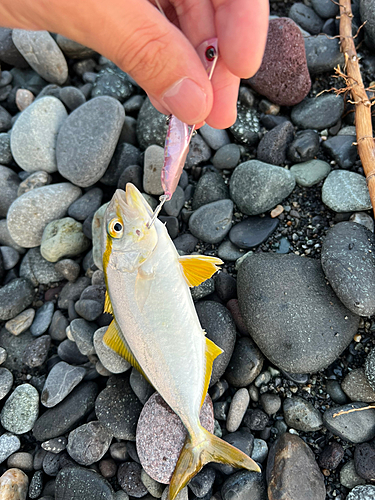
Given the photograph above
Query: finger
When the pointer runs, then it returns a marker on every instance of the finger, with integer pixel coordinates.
(241, 27)
(224, 110)
(196, 19)
(142, 42)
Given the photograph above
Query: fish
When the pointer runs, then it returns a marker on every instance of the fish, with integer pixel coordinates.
(179, 134)
(155, 325)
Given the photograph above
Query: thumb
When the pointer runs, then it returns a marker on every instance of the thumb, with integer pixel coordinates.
(135, 36)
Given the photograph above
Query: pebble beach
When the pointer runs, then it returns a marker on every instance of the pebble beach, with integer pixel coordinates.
(280, 197)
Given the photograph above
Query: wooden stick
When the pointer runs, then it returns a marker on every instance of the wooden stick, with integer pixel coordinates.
(353, 78)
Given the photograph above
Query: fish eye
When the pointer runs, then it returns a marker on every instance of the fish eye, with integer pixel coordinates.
(115, 228)
(210, 53)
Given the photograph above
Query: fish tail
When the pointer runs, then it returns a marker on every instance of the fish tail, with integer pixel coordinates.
(200, 450)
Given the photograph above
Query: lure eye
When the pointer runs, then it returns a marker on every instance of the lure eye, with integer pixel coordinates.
(115, 228)
(210, 53)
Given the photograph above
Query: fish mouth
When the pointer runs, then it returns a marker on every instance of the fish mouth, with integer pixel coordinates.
(131, 203)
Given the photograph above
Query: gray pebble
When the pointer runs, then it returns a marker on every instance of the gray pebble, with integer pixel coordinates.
(345, 191)
(21, 460)
(129, 478)
(356, 427)
(363, 219)
(5, 152)
(151, 126)
(9, 182)
(271, 403)
(38, 270)
(274, 144)
(10, 257)
(6, 382)
(9, 444)
(256, 187)
(125, 155)
(243, 485)
(79, 483)
(3, 355)
(362, 493)
(20, 410)
(203, 290)
(86, 204)
(42, 53)
(357, 388)
(61, 380)
(370, 368)
(36, 353)
(325, 8)
(42, 320)
(57, 329)
(201, 484)
(83, 334)
(227, 157)
(30, 213)
(210, 187)
(199, 152)
(260, 451)
(301, 415)
(310, 172)
(337, 395)
(228, 251)
(212, 222)
(306, 18)
(349, 477)
(68, 268)
(72, 97)
(153, 487)
(141, 387)
(36, 151)
(88, 443)
(246, 363)
(246, 127)
(87, 140)
(69, 352)
(322, 54)
(109, 358)
(215, 138)
(318, 112)
(237, 409)
(15, 296)
(72, 291)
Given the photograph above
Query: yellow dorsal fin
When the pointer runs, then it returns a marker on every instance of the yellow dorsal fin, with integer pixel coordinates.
(212, 352)
(114, 339)
(107, 304)
(198, 268)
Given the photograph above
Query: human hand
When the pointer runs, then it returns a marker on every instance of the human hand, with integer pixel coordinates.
(159, 53)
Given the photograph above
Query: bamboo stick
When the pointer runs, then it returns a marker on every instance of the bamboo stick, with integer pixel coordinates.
(353, 79)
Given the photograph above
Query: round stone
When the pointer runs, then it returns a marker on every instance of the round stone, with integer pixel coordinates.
(237, 409)
(63, 238)
(153, 164)
(42, 319)
(310, 172)
(161, 436)
(112, 361)
(60, 382)
(88, 443)
(86, 205)
(211, 187)
(33, 138)
(42, 53)
(301, 415)
(30, 213)
(253, 231)
(129, 478)
(87, 140)
(256, 187)
(9, 182)
(212, 222)
(36, 353)
(318, 112)
(345, 191)
(243, 485)
(355, 426)
(24, 98)
(14, 485)
(20, 410)
(151, 126)
(227, 157)
(15, 296)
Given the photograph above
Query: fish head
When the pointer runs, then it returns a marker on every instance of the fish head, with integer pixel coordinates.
(127, 240)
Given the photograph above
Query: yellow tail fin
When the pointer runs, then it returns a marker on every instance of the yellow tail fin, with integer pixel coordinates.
(201, 450)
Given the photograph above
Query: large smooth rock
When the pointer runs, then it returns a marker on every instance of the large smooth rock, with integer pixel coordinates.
(42, 53)
(348, 262)
(29, 214)
(291, 313)
(355, 426)
(78, 483)
(256, 187)
(345, 191)
(87, 140)
(34, 135)
(283, 76)
(293, 472)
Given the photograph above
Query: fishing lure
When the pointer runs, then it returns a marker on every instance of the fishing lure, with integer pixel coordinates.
(155, 325)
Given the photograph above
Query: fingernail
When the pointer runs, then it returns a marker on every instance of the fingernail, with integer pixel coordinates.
(186, 99)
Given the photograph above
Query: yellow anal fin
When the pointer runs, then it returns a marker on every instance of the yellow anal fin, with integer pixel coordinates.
(198, 268)
(114, 339)
(198, 452)
(212, 352)
(107, 304)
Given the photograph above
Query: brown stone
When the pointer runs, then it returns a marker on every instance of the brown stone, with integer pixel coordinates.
(283, 76)
(293, 472)
(161, 435)
(13, 485)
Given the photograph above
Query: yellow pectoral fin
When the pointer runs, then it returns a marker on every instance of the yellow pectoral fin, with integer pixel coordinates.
(107, 304)
(198, 268)
(212, 352)
(114, 339)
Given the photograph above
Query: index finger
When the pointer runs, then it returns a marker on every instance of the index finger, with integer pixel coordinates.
(241, 27)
